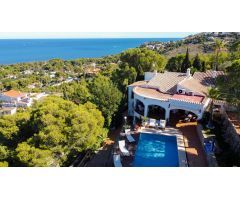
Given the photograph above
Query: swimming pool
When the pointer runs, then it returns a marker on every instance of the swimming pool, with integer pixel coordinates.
(156, 150)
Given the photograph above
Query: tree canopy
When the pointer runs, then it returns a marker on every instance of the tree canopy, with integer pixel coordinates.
(124, 76)
(77, 92)
(143, 60)
(106, 96)
(229, 86)
(174, 63)
(58, 128)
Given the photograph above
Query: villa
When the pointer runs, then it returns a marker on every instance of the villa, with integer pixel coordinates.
(164, 95)
(164, 98)
(13, 98)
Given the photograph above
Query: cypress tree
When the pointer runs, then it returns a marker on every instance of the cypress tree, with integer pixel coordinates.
(197, 63)
(186, 63)
(203, 69)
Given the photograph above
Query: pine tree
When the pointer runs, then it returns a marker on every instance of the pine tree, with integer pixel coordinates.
(186, 63)
(197, 63)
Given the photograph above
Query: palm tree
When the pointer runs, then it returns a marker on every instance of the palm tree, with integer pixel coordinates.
(213, 93)
(219, 46)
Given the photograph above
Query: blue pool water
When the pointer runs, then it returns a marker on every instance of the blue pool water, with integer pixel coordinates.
(156, 151)
(27, 50)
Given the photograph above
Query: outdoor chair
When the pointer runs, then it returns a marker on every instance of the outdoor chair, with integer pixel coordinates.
(130, 137)
(123, 149)
(162, 124)
(152, 122)
(117, 160)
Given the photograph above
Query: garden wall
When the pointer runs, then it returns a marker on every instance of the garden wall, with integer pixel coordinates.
(211, 158)
(230, 134)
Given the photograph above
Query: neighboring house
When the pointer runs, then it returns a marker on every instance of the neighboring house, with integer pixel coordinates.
(13, 98)
(162, 95)
(8, 111)
(52, 74)
(38, 96)
(27, 72)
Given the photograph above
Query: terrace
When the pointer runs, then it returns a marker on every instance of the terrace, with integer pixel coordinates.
(189, 148)
(127, 161)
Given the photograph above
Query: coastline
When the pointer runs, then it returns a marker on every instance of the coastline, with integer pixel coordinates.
(13, 51)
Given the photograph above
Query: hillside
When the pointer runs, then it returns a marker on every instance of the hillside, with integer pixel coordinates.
(201, 43)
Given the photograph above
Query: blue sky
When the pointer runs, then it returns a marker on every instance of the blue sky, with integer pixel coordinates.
(30, 35)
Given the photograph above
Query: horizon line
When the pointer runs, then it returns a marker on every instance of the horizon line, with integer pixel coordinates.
(38, 38)
(92, 35)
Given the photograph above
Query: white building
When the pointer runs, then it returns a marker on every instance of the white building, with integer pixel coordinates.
(163, 95)
(14, 98)
(8, 111)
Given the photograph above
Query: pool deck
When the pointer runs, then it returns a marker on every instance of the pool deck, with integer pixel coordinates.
(127, 161)
(194, 150)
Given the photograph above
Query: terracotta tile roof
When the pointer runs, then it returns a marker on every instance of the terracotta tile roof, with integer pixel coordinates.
(14, 93)
(167, 81)
(187, 98)
(194, 85)
(151, 93)
(206, 78)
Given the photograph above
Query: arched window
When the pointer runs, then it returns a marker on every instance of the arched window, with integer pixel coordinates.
(139, 107)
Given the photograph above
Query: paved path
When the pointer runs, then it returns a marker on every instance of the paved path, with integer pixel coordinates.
(194, 150)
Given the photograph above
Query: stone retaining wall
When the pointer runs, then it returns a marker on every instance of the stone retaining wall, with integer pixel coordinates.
(211, 158)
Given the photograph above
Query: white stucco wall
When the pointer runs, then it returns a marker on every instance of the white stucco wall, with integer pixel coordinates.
(168, 105)
(130, 101)
(8, 99)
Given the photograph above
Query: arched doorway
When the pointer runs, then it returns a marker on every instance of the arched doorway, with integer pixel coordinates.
(177, 115)
(156, 112)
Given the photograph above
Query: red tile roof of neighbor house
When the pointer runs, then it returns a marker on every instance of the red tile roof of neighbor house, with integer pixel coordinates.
(14, 93)
(187, 98)
(207, 78)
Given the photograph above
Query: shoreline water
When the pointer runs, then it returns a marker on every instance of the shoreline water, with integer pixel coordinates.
(13, 51)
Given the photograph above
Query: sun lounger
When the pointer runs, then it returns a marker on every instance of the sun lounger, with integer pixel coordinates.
(152, 122)
(130, 137)
(123, 148)
(127, 130)
(162, 124)
(117, 161)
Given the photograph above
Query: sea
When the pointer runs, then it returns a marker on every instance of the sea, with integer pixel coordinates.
(29, 50)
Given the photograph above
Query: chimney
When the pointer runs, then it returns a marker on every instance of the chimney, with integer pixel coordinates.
(188, 74)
